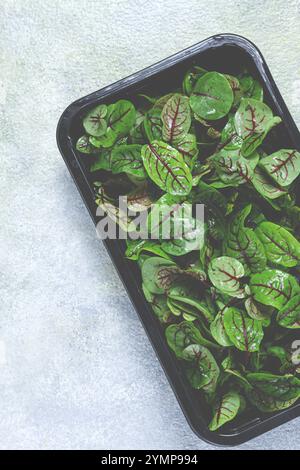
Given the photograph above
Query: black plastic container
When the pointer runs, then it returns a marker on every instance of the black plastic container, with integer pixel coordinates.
(225, 53)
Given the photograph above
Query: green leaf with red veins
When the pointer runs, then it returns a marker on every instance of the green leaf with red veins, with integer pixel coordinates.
(127, 159)
(243, 244)
(281, 246)
(83, 145)
(187, 234)
(212, 96)
(282, 166)
(232, 168)
(265, 186)
(181, 291)
(205, 362)
(256, 92)
(191, 78)
(167, 168)
(236, 89)
(289, 315)
(225, 409)
(257, 312)
(267, 403)
(252, 117)
(102, 161)
(282, 387)
(160, 308)
(251, 88)
(245, 333)
(215, 204)
(158, 274)
(253, 120)
(230, 140)
(136, 133)
(273, 287)
(181, 335)
(252, 142)
(188, 149)
(176, 118)
(218, 331)
(139, 199)
(136, 247)
(94, 123)
(173, 222)
(225, 274)
(120, 119)
(160, 103)
(116, 214)
(153, 124)
(246, 82)
(160, 217)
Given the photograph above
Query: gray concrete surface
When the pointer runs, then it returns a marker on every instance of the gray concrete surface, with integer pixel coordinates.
(76, 369)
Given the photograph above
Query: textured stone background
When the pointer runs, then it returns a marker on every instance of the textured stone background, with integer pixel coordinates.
(76, 369)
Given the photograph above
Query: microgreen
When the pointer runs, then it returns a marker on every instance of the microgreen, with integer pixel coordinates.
(226, 291)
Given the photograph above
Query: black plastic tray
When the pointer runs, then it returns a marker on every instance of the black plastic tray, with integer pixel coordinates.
(226, 53)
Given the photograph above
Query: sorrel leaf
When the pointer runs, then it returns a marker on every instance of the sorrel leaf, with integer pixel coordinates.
(176, 118)
(243, 244)
(212, 96)
(244, 332)
(167, 168)
(120, 119)
(205, 362)
(267, 403)
(282, 387)
(187, 146)
(183, 293)
(254, 140)
(258, 311)
(136, 247)
(153, 124)
(159, 104)
(273, 287)
(236, 89)
(289, 315)
(225, 274)
(252, 117)
(282, 166)
(186, 232)
(265, 185)
(230, 140)
(160, 308)
(117, 215)
(136, 133)
(253, 120)
(158, 274)
(159, 221)
(83, 145)
(191, 78)
(281, 247)
(218, 331)
(94, 123)
(127, 159)
(181, 335)
(139, 199)
(225, 409)
(232, 168)
(251, 88)
(102, 161)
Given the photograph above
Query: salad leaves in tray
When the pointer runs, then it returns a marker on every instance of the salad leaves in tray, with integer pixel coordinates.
(227, 293)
